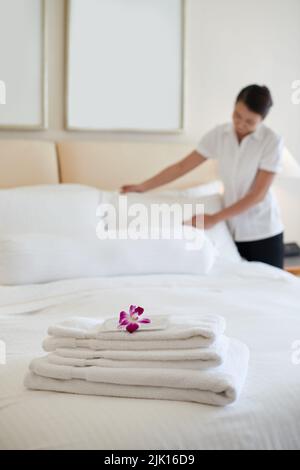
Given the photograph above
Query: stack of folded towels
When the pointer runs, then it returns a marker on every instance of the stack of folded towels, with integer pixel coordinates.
(170, 359)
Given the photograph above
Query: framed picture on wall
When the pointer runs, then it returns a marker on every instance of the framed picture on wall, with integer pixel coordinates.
(125, 65)
(23, 64)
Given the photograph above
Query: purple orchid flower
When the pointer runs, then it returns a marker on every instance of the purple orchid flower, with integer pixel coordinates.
(132, 319)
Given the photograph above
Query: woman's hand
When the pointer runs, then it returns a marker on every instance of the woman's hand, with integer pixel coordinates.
(171, 173)
(205, 222)
(210, 221)
(132, 188)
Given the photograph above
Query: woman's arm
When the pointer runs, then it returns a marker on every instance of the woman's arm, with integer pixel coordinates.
(257, 193)
(171, 173)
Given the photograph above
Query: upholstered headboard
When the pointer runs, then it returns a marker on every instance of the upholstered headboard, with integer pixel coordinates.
(106, 165)
(109, 165)
(27, 163)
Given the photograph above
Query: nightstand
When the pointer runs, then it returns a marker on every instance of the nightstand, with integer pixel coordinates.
(292, 265)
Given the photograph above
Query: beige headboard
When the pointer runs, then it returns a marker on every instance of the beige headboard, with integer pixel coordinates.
(109, 165)
(106, 165)
(27, 163)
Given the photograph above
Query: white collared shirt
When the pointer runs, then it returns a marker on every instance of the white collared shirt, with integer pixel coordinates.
(238, 166)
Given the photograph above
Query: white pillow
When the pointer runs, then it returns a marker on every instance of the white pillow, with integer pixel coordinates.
(65, 210)
(40, 258)
(219, 235)
(207, 189)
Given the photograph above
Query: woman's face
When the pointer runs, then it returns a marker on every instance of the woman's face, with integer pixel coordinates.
(245, 121)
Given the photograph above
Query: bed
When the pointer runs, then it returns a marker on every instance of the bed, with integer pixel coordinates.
(260, 305)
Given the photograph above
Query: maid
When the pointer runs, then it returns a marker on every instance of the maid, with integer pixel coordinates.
(249, 155)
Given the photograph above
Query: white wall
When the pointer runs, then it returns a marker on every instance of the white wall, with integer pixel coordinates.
(229, 44)
(232, 43)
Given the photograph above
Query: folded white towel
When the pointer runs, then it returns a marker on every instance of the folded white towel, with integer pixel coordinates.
(218, 348)
(198, 359)
(91, 334)
(219, 386)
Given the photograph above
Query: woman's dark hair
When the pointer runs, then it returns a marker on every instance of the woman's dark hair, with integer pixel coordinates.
(257, 98)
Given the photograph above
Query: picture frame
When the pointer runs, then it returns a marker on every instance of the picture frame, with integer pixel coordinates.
(24, 65)
(114, 105)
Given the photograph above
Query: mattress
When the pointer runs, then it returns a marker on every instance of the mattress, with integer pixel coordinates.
(261, 306)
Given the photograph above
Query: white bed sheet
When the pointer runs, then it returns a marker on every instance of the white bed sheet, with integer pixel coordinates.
(262, 308)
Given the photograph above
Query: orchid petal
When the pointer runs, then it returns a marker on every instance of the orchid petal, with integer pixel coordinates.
(132, 309)
(139, 310)
(132, 327)
(145, 320)
(123, 315)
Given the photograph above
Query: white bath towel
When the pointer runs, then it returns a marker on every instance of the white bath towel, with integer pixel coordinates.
(219, 386)
(197, 359)
(177, 334)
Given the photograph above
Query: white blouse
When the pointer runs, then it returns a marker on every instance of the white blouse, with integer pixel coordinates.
(238, 166)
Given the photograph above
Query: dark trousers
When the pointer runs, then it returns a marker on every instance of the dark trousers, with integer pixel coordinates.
(269, 251)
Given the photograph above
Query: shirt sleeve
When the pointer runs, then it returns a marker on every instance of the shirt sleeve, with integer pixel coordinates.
(272, 157)
(207, 146)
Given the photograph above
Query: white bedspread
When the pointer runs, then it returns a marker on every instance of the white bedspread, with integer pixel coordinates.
(261, 306)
